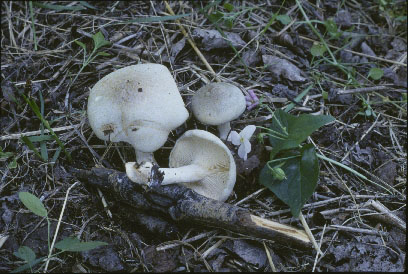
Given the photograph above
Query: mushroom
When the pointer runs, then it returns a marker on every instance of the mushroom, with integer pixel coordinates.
(217, 104)
(199, 160)
(138, 104)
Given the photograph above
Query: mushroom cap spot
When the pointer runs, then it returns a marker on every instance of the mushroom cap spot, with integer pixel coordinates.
(142, 102)
(208, 151)
(218, 103)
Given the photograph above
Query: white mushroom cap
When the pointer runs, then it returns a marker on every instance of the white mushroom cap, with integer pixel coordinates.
(200, 161)
(138, 104)
(206, 150)
(217, 104)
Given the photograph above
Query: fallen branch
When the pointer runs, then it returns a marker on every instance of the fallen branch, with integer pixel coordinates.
(183, 204)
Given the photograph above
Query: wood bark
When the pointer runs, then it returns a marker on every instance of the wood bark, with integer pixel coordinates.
(183, 204)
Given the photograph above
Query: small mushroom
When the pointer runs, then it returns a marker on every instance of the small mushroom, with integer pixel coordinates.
(138, 104)
(199, 160)
(217, 104)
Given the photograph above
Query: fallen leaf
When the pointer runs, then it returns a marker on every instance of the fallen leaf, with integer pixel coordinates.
(212, 39)
(281, 67)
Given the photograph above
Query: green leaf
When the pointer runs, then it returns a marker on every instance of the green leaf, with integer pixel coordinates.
(12, 164)
(229, 7)
(40, 138)
(82, 45)
(290, 131)
(33, 203)
(318, 50)
(31, 146)
(99, 40)
(5, 155)
(27, 266)
(36, 110)
(25, 253)
(215, 17)
(301, 178)
(376, 73)
(102, 53)
(331, 26)
(229, 22)
(325, 95)
(73, 244)
(284, 19)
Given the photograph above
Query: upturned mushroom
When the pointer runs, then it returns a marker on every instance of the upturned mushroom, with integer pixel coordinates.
(138, 104)
(199, 160)
(217, 104)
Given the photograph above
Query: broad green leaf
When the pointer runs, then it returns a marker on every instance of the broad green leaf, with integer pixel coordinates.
(318, 50)
(99, 40)
(284, 19)
(301, 178)
(27, 266)
(291, 131)
(376, 73)
(33, 203)
(229, 7)
(25, 253)
(73, 244)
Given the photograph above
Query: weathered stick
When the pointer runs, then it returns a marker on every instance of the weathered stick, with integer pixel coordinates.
(183, 204)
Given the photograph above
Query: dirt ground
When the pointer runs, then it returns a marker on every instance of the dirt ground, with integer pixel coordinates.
(361, 81)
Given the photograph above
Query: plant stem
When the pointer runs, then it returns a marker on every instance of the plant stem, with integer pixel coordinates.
(352, 171)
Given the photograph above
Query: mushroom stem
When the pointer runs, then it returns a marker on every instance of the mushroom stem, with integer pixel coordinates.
(224, 129)
(144, 157)
(186, 174)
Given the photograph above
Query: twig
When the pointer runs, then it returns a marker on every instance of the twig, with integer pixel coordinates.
(309, 233)
(191, 42)
(36, 132)
(192, 239)
(320, 246)
(184, 205)
(360, 90)
(357, 230)
(390, 217)
(268, 254)
(362, 137)
(58, 226)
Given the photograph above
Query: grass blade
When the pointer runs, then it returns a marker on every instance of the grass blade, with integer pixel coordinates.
(34, 107)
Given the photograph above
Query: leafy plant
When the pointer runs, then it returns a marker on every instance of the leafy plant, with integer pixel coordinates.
(99, 42)
(292, 177)
(5, 155)
(67, 244)
(39, 112)
(376, 73)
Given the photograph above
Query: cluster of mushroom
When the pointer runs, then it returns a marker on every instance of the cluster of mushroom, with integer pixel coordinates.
(141, 104)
